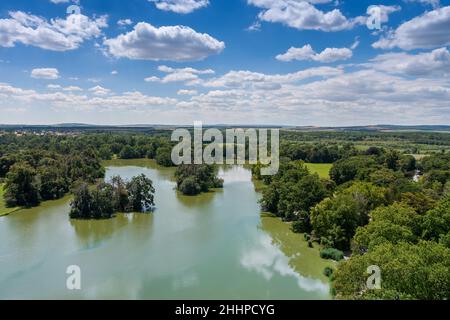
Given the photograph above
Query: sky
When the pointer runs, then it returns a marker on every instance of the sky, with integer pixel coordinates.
(277, 62)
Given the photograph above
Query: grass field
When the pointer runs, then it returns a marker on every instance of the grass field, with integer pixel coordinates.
(322, 169)
(3, 210)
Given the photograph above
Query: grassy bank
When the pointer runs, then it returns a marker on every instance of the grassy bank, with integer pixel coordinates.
(303, 259)
(3, 210)
(322, 169)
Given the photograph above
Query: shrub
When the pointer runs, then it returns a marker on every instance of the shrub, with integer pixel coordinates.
(331, 253)
(328, 271)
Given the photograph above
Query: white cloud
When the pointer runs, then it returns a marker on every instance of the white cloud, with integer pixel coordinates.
(99, 91)
(434, 3)
(56, 34)
(303, 15)
(180, 6)
(435, 63)
(114, 72)
(307, 53)
(72, 88)
(385, 11)
(430, 30)
(255, 26)
(59, 87)
(316, 96)
(187, 92)
(171, 43)
(45, 73)
(124, 22)
(256, 80)
(70, 101)
(179, 75)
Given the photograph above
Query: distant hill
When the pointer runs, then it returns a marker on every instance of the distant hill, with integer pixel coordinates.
(146, 127)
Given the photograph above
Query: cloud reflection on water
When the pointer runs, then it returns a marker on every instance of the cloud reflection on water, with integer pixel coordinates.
(268, 260)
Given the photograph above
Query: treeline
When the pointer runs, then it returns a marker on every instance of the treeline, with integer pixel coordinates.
(108, 198)
(106, 145)
(404, 137)
(373, 209)
(316, 153)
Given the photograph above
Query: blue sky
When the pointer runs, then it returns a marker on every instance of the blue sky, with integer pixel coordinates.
(294, 62)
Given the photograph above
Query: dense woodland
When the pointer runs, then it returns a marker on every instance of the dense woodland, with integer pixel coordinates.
(381, 205)
(372, 210)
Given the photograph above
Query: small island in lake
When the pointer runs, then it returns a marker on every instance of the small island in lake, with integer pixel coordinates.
(194, 179)
(106, 199)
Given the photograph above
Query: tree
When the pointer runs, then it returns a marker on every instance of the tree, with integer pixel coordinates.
(190, 187)
(436, 222)
(296, 197)
(334, 220)
(21, 186)
(358, 167)
(120, 197)
(164, 156)
(396, 223)
(409, 271)
(128, 153)
(81, 205)
(105, 152)
(141, 193)
(51, 181)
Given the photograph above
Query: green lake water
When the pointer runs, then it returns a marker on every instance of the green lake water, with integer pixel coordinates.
(213, 246)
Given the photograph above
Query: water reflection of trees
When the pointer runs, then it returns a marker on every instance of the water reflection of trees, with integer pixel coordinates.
(92, 232)
(200, 200)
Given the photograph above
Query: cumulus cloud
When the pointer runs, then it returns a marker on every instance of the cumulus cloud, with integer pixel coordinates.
(67, 100)
(179, 75)
(307, 53)
(124, 22)
(45, 73)
(56, 34)
(184, 92)
(72, 88)
(434, 3)
(385, 11)
(170, 43)
(180, 6)
(99, 91)
(315, 96)
(59, 87)
(435, 63)
(256, 80)
(303, 15)
(430, 30)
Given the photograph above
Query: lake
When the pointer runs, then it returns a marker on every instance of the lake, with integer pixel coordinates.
(213, 246)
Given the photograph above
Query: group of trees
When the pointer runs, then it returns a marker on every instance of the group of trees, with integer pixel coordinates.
(293, 191)
(316, 153)
(34, 175)
(373, 209)
(193, 179)
(107, 198)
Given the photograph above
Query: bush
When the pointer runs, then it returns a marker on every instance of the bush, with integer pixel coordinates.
(328, 272)
(190, 187)
(331, 253)
(298, 227)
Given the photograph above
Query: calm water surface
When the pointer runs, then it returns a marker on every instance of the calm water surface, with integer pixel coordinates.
(212, 246)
